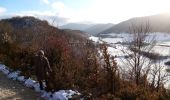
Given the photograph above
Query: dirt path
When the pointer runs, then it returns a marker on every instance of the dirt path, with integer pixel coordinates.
(13, 90)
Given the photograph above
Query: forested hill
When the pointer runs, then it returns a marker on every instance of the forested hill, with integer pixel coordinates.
(26, 29)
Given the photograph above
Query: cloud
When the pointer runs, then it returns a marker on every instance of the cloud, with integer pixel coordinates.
(98, 11)
(58, 5)
(45, 1)
(46, 15)
(108, 11)
(2, 10)
(54, 20)
(64, 11)
(51, 17)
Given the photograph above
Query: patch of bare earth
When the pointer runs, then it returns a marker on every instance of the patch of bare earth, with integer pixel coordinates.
(13, 90)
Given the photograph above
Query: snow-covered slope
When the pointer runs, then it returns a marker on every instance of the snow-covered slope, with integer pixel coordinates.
(116, 47)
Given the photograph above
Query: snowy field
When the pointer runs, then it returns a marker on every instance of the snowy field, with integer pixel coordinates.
(162, 42)
(115, 40)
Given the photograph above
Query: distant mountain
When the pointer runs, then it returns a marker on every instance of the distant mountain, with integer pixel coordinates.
(76, 33)
(76, 26)
(92, 29)
(158, 23)
(95, 29)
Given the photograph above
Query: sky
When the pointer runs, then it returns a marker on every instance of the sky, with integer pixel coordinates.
(85, 11)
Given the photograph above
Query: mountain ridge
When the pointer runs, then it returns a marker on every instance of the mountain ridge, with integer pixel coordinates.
(158, 23)
(92, 29)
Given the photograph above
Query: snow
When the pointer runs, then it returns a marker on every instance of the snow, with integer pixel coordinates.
(162, 36)
(95, 39)
(59, 95)
(162, 50)
(37, 87)
(46, 95)
(112, 40)
(13, 75)
(29, 82)
(162, 46)
(21, 78)
(4, 69)
(116, 49)
(64, 94)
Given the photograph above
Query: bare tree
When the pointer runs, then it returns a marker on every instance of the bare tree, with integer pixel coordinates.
(159, 76)
(138, 66)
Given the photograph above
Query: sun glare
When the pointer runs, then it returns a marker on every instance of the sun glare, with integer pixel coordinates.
(118, 10)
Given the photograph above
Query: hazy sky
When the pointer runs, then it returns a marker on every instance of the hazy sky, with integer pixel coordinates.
(98, 11)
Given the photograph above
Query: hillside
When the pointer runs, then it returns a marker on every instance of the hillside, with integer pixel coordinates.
(95, 29)
(76, 26)
(28, 29)
(92, 29)
(158, 23)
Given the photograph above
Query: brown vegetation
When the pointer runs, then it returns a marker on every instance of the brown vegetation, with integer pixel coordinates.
(78, 65)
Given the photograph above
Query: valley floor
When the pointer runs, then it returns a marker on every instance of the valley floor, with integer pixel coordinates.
(12, 90)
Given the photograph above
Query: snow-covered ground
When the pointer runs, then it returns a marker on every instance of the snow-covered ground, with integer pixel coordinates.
(162, 42)
(162, 46)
